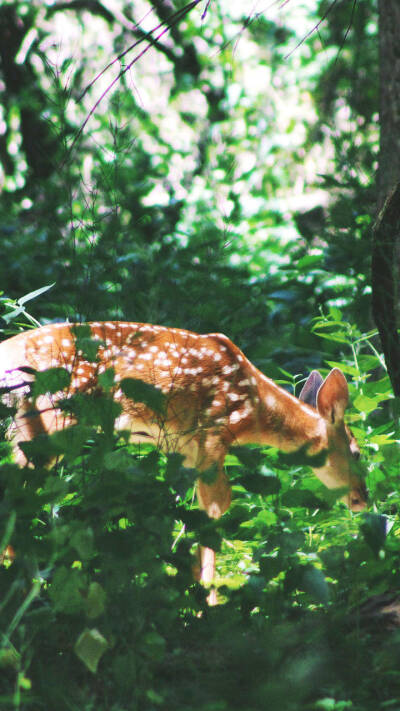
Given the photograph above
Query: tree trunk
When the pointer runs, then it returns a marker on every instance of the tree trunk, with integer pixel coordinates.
(385, 250)
(389, 99)
(385, 272)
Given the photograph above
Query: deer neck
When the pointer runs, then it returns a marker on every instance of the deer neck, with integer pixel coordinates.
(281, 420)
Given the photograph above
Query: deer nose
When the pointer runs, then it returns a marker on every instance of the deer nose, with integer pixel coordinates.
(359, 499)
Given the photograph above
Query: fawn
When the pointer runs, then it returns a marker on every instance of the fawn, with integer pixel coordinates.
(214, 397)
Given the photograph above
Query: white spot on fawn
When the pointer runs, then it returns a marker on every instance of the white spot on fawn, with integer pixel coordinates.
(227, 369)
(270, 402)
(235, 416)
(162, 361)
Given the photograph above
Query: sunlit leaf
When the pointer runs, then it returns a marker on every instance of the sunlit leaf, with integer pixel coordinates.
(90, 647)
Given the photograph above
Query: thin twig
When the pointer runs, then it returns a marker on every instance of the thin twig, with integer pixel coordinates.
(349, 26)
(205, 9)
(314, 29)
(175, 18)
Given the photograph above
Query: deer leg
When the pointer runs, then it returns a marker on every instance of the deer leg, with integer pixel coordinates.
(32, 420)
(214, 499)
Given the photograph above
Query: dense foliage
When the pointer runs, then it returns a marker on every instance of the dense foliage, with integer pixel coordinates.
(218, 187)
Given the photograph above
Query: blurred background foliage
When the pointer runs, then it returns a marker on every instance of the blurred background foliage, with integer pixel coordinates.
(224, 182)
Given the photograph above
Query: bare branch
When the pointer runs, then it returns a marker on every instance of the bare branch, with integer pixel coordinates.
(164, 27)
(314, 29)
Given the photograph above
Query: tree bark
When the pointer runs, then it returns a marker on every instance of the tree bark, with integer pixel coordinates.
(389, 97)
(386, 238)
(385, 283)
(40, 143)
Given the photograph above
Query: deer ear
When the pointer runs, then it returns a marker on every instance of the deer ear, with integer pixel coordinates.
(333, 397)
(310, 388)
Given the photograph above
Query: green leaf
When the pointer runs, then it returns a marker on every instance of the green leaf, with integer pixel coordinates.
(382, 439)
(315, 585)
(309, 261)
(24, 682)
(85, 345)
(66, 591)
(251, 457)
(331, 496)
(156, 698)
(95, 601)
(174, 465)
(373, 528)
(140, 391)
(118, 459)
(106, 379)
(301, 457)
(68, 442)
(209, 476)
(260, 484)
(362, 403)
(329, 704)
(348, 369)
(9, 657)
(382, 387)
(51, 380)
(303, 498)
(33, 294)
(90, 647)
(83, 542)
(155, 645)
(54, 490)
(271, 566)
(98, 410)
(336, 337)
(369, 362)
(209, 537)
(265, 518)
